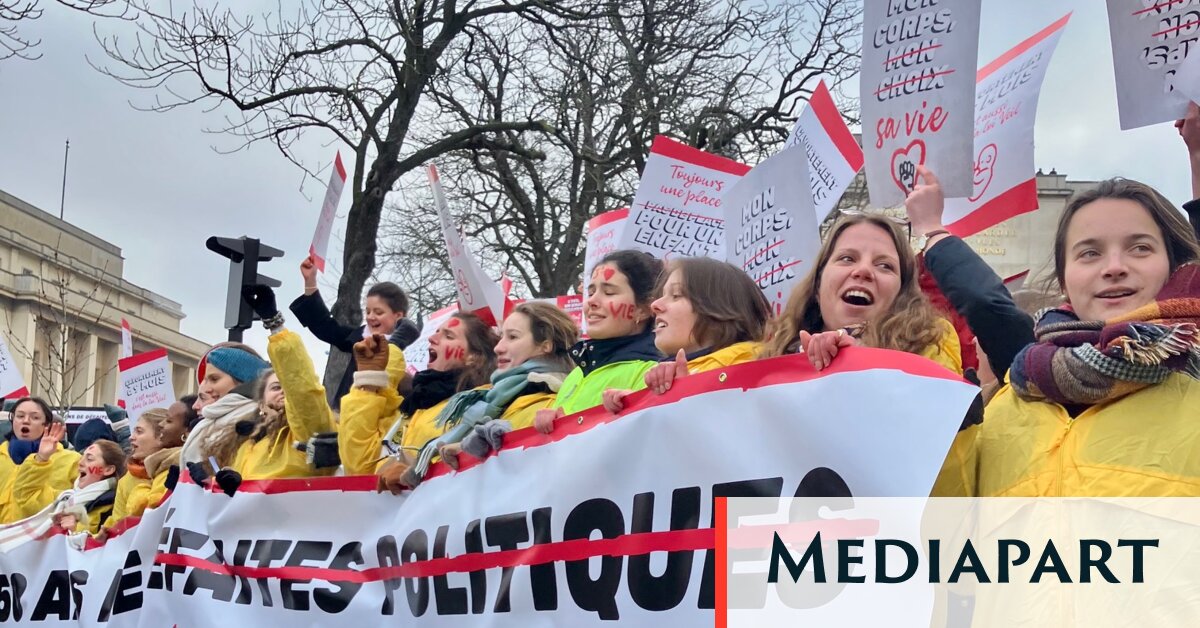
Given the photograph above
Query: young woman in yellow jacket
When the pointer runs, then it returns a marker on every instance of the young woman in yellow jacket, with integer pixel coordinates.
(1106, 402)
(145, 482)
(708, 315)
(88, 503)
(381, 431)
(31, 418)
(532, 360)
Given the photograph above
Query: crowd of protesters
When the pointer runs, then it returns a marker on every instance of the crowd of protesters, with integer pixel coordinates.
(1095, 397)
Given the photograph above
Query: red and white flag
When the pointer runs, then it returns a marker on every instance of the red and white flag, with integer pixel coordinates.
(476, 292)
(12, 385)
(126, 339)
(320, 242)
(834, 157)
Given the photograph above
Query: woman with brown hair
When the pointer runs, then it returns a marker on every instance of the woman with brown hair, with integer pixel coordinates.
(34, 429)
(461, 357)
(708, 314)
(88, 502)
(148, 466)
(1104, 402)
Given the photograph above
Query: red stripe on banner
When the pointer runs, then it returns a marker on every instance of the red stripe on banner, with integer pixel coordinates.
(788, 369)
(673, 149)
(337, 165)
(835, 126)
(1176, 28)
(1020, 275)
(913, 80)
(1019, 199)
(1160, 5)
(608, 217)
(125, 325)
(431, 170)
(580, 549)
(318, 261)
(124, 364)
(1022, 47)
(345, 484)
(23, 391)
(721, 566)
(910, 53)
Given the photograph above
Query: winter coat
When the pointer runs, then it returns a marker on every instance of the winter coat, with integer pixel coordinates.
(61, 471)
(311, 312)
(737, 353)
(135, 495)
(623, 368)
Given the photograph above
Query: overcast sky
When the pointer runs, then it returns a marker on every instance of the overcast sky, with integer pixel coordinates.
(152, 184)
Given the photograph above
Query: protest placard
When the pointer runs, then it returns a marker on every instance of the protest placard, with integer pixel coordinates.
(834, 156)
(1006, 102)
(771, 228)
(677, 209)
(146, 382)
(12, 385)
(126, 339)
(320, 242)
(477, 293)
(1150, 39)
(603, 234)
(917, 91)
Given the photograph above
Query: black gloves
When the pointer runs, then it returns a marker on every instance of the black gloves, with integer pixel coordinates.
(229, 480)
(322, 450)
(172, 477)
(261, 299)
(199, 475)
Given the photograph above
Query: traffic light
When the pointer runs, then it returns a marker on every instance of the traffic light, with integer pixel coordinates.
(244, 255)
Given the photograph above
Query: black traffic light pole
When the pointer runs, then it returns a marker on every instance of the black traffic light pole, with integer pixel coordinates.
(244, 255)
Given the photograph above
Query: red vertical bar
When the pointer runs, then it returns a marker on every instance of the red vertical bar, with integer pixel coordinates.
(722, 568)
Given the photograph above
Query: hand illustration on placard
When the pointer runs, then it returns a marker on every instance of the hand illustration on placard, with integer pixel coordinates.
(985, 170)
(904, 165)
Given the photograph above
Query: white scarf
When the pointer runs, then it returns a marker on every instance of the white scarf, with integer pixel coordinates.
(73, 500)
(224, 412)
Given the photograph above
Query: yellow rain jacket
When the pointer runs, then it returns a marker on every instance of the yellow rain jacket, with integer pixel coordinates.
(60, 473)
(367, 416)
(308, 413)
(523, 409)
(737, 353)
(135, 495)
(1146, 444)
(951, 481)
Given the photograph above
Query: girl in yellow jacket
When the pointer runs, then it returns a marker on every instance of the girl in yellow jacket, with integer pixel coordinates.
(145, 482)
(532, 360)
(31, 419)
(89, 501)
(381, 431)
(708, 315)
(1105, 403)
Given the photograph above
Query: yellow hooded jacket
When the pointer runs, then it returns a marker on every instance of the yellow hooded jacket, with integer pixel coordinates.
(367, 416)
(60, 473)
(135, 495)
(736, 353)
(306, 409)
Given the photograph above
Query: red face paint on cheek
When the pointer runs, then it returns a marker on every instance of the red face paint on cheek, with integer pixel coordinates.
(455, 353)
(621, 310)
(95, 470)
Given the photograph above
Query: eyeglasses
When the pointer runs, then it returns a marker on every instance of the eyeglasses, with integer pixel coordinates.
(896, 220)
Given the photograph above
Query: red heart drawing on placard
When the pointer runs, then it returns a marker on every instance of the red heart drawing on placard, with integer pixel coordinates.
(985, 170)
(904, 165)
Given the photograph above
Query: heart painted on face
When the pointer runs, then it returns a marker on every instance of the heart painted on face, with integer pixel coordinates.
(454, 322)
(985, 170)
(608, 273)
(904, 165)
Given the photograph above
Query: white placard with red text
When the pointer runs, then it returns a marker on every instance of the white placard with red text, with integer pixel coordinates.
(12, 385)
(1150, 39)
(502, 543)
(476, 292)
(146, 382)
(771, 229)
(917, 91)
(677, 209)
(834, 156)
(126, 339)
(1006, 102)
(603, 236)
(333, 194)
(416, 355)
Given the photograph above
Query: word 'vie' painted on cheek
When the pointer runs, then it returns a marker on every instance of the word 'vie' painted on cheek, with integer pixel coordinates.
(95, 471)
(621, 310)
(456, 353)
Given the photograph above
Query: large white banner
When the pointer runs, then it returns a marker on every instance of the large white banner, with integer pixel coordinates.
(677, 209)
(772, 231)
(917, 90)
(1005, 110)
(146, 382)
(834, 157)
(620, 530)
(12, 384)
(1150, 39)
(476, 292)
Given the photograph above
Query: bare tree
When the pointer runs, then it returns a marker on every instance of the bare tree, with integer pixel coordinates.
(356, 71)
(726, 76)
(14, 12)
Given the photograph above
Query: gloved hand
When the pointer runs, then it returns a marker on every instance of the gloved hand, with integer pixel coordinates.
(261, 299)
(371, 354)
(321, 451)
(172, 477)
(199, 475)
(229, 480)
(486, 438)
(390, 477)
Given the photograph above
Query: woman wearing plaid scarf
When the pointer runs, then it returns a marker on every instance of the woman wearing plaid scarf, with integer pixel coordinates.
(1106, 402)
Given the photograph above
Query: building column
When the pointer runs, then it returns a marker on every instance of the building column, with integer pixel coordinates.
(84, 374)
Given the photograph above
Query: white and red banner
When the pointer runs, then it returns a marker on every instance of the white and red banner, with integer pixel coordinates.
(146, 382)
(677, 209)
(1016, 282)
(12, 385)
(834, 156)
(1150, 39)
(917, 89)
(622, 530)
(1006, 101)
(477, 293)
(126, 339)
(572, 304)
(772, 231)
(333, 194)
(416, 355)
(603, 235)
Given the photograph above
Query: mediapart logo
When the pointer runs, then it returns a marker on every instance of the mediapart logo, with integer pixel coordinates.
(958, 562)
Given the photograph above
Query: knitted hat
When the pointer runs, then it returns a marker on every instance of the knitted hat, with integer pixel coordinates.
(90, 432)
(240, 365)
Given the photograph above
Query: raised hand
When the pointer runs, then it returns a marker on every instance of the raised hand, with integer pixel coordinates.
(50, 440)
(926, 202)
(261, 299)
(371, 354)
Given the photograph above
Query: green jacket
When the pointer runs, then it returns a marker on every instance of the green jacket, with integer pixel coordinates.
(619, 363)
